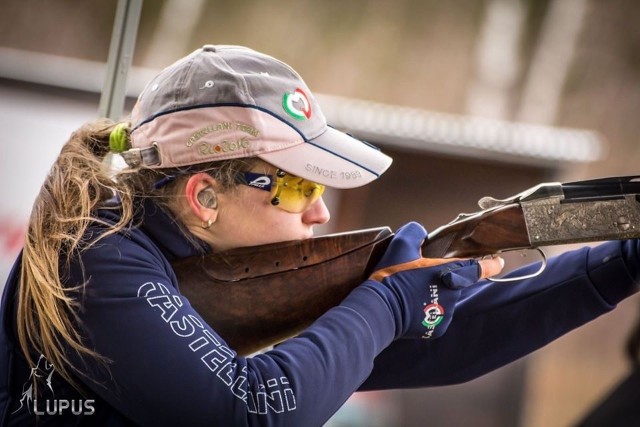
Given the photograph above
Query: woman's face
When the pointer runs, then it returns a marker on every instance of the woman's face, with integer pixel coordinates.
(246, 217)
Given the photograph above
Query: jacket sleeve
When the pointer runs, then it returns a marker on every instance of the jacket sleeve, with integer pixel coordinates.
(497, 323)
(168, 367)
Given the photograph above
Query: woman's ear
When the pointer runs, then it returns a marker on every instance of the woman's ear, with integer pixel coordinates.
(202, 198)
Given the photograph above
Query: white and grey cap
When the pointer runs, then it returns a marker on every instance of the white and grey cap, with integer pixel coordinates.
(224, 102)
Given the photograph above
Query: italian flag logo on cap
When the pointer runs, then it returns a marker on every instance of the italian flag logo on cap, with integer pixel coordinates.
(297, 105)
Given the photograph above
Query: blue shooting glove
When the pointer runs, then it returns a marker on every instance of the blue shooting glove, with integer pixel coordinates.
(421, 292)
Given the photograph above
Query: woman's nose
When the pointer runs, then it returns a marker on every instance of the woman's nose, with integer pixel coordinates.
(317, 213)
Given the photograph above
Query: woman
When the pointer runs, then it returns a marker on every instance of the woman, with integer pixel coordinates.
(228, 148)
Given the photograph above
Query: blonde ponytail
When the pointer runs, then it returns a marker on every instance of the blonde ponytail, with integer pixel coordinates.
(76, 185)
(75, 188)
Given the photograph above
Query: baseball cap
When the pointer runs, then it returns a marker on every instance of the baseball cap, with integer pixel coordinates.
(224, 102)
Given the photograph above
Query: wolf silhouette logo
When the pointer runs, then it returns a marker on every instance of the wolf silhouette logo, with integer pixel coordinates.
(43, 369)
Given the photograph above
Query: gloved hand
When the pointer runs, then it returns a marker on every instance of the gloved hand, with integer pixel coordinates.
(422, 293)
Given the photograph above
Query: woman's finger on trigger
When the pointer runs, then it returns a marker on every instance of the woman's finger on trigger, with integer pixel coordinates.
(491, 267)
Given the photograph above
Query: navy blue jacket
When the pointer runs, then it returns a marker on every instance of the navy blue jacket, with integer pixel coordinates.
(168, 367)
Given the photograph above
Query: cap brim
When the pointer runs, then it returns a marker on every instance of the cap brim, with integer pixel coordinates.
(334, 159)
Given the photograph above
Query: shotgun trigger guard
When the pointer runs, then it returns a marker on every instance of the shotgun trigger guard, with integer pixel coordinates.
(543, 266)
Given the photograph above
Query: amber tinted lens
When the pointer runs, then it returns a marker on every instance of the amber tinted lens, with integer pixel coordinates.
(294, 194)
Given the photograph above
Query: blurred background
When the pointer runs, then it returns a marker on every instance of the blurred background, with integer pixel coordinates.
(470, 97)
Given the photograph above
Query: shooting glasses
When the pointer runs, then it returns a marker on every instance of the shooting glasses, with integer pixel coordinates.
(288, 192)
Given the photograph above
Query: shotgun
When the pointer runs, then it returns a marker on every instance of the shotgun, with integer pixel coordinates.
(258, 296)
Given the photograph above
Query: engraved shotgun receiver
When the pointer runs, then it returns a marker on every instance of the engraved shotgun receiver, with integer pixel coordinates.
(544, 215)
(256, 297)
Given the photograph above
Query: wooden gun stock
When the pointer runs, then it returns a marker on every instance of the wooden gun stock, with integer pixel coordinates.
(258, 296)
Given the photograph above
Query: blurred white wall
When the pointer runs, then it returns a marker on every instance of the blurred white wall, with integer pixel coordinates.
(36, 122)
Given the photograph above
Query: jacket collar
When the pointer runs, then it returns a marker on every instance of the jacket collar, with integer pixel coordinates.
(168, 234)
